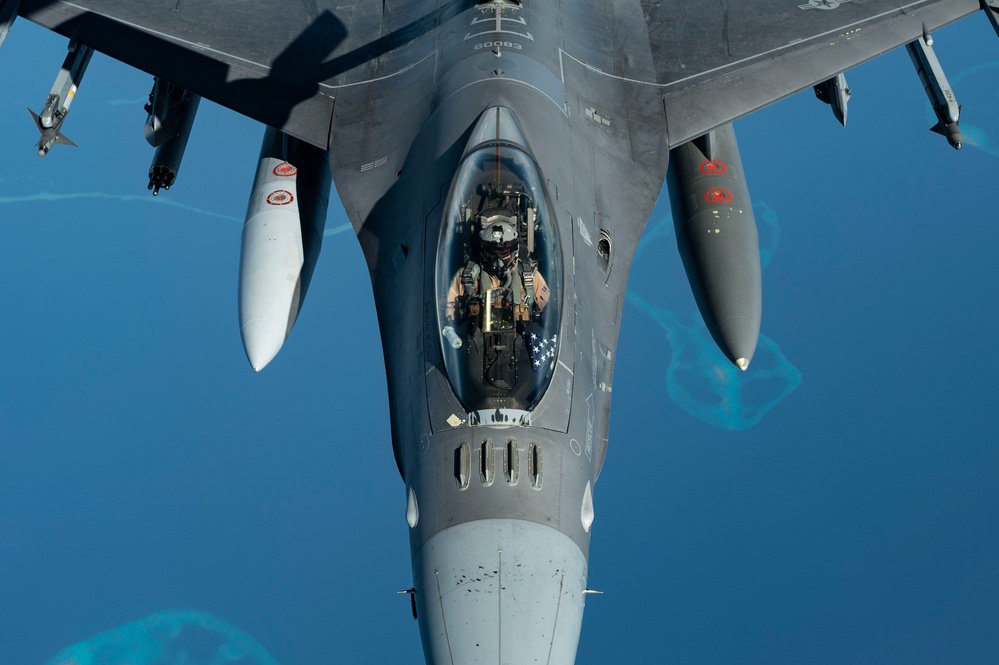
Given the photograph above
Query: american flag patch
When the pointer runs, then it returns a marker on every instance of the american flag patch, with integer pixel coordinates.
(542, 350)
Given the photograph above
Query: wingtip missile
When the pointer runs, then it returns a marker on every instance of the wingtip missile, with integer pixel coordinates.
(937, 88)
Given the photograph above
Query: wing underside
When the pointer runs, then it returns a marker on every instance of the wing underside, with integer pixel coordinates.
(718, 60)
(283, 63)
(280, 63)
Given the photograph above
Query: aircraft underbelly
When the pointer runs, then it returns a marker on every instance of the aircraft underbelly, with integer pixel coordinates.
(500, 591)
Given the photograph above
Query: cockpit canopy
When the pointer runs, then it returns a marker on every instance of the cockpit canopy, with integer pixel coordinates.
(499, 281)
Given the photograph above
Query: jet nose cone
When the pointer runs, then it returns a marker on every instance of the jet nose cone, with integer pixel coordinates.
(737, 337)
(500, 591)
(262, 339)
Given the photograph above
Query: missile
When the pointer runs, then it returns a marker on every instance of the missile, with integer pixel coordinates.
(282, 236)
(991, 9)
(937, 89)
(66, 83)
(8, 13)
(836, 93)
(57, 104)
(171, 110)
(717, 238)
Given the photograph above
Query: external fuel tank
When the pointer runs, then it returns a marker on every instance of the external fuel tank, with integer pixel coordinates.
(717, 238)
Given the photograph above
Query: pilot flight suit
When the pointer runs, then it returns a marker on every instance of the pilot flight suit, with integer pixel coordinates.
(457, 288)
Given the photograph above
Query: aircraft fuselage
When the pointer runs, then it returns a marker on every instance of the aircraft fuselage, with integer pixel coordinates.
(499, 483)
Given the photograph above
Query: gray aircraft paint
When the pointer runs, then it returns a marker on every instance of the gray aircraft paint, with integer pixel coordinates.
(601, 92)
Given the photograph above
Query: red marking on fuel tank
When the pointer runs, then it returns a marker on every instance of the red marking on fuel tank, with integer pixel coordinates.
(280, 197)
(284, 169)
(718, 195)
(713, 166)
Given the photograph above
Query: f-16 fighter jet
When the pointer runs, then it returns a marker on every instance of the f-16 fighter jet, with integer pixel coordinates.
(498, 161)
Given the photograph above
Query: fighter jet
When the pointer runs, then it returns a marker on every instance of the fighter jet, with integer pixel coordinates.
(498, 161)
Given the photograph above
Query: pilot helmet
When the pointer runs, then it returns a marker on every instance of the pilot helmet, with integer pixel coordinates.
(498, 242)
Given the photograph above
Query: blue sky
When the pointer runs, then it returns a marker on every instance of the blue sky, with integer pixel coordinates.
(836, 504)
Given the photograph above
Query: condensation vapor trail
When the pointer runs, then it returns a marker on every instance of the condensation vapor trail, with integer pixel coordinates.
(48, 197)
(44, 197)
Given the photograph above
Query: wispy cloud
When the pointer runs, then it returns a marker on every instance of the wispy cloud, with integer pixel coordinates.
(128, 102)
(337, 230)
(49, 197)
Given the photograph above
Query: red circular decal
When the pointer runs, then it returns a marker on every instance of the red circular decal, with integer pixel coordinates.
(718, 195)
(280, 197)
(713, 166)
(285, 169)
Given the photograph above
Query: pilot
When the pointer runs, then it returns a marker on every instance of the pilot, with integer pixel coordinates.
(499, 268)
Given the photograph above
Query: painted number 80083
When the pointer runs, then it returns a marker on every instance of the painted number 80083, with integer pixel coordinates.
(513, 45)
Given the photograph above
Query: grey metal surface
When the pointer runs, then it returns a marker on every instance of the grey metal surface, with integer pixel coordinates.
(500, 591)
(717, 61)
(836, 93)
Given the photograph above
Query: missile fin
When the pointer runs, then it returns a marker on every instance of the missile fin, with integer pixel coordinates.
(37, 119)
(61, 139)
(47, 140)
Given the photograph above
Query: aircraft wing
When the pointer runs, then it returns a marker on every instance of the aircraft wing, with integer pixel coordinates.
(277, 62)
(281, 63)
(718, 60)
